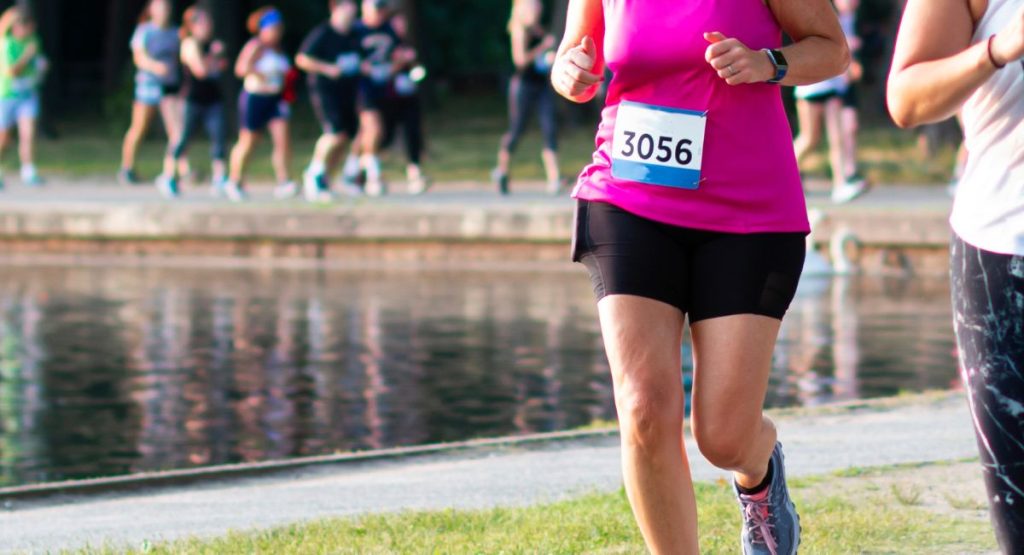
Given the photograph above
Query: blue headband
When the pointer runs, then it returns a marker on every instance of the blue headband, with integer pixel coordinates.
(273, 17)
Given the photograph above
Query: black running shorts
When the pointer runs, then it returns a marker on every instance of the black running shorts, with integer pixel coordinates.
(705, 274)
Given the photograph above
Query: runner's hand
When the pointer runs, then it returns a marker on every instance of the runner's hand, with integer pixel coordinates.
(572, 75)
(331, 72)
(735, 63)
(1008, 46)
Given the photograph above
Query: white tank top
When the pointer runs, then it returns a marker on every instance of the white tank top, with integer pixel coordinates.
(271, 69)
(989, 208)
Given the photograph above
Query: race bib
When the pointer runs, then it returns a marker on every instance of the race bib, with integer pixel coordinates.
(349, 63)
(658, 146)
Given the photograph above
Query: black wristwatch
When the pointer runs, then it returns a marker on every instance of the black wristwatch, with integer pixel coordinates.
(781, 66)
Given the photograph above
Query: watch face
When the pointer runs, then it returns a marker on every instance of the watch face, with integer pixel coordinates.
(780, 59)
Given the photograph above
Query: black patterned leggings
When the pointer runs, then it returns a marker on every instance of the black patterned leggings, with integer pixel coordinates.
(988, 303)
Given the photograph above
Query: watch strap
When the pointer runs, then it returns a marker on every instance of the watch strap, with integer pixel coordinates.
(779, 61)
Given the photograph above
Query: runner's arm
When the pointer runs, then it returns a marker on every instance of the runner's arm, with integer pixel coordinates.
(246, 62)
(935, 69)
(819, 50)
(192, 57)
(143, 60)
(7, 20)
(309, 64)
(307, 60)
(579, 65)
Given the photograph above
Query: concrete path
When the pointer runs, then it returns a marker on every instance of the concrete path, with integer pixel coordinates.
(918, 430)
(462, 193)
(893, 230)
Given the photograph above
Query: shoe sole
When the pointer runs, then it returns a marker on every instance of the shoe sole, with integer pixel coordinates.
(860, 193)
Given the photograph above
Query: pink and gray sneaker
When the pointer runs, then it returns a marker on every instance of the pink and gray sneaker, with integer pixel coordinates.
(771, 525)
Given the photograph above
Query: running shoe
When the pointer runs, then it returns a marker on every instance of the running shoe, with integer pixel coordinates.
(501, 180)
(32, 179)
(555, 187)
(771, 525)
(376, 188)
(127, 177)
(233, 190)
(350, 188)
(852, 189)
(286, 190)
(168, 187)
(218, 188)
(315, 188)
(419, 185)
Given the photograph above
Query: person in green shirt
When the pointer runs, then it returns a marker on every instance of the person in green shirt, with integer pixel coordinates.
(22, 66)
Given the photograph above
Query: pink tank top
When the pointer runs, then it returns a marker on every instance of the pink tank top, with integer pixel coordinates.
(749, 180)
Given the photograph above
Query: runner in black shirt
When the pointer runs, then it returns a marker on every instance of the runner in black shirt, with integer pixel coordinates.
(379, 41)
(403, 106)
(203, 64)
(331, 56)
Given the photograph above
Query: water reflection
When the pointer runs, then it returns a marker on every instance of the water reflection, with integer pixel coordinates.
(113, 370)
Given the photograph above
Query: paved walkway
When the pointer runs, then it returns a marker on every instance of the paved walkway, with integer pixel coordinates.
(922, 430)
(464, 194)
(90, 217)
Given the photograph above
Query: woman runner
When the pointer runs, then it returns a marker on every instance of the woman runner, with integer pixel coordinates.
(22, 66)
(263, 66)
(403, 107)
(693, 207)
(204, 63)
(967, 56)
(156, 48)
(529, 90)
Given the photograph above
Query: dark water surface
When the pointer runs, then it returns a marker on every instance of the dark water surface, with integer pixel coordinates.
(113, 370)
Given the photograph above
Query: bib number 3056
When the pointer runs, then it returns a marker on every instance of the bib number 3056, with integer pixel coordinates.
(658, 146)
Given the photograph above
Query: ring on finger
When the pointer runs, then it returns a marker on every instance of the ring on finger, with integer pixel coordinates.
(732, 71)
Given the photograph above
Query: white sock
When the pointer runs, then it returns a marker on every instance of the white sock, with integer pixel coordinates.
(28, 170)
(351, 168)
(317, 168)
(372, 165)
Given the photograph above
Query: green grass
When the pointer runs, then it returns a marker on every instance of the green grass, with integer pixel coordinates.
(867, 521)
(463, 139)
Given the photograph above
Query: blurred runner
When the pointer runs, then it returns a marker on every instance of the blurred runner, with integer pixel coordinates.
(22, 66)
(264, 68)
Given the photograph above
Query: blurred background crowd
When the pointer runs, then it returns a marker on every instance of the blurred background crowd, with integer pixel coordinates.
(457, 84)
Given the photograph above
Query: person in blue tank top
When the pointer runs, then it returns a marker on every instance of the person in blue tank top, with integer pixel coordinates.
(156, 48)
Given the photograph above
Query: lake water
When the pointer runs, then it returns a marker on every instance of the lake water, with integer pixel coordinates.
(113, 370)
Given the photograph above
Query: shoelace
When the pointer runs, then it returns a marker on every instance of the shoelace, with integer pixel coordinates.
(756, 512)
